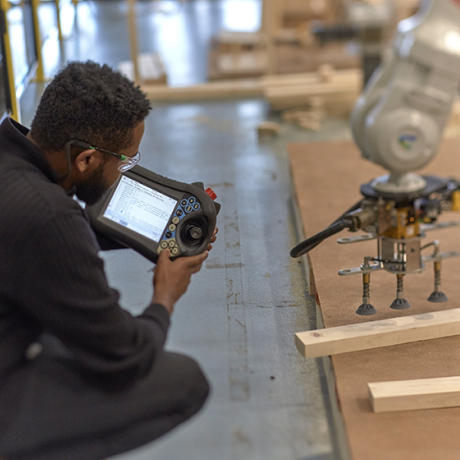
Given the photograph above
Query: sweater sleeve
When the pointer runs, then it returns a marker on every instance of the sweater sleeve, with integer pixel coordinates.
(67, 293)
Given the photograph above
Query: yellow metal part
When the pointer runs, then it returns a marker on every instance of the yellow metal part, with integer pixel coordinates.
(58, 18)
(366, 278)
(15, 112)
(403, 228)
(40, 76)
(456, 201)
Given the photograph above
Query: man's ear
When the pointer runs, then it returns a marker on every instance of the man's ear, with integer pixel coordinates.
(87, 161)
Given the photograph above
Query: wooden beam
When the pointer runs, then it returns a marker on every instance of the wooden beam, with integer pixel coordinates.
(375, 334)
(350, 76)
(212, 90)
(415, 394)
(133, 39)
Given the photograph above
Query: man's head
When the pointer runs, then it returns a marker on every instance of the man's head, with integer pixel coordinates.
(98, 106)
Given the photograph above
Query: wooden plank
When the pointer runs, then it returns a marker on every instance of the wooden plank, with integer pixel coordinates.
(415, 394)
(150, 68)
(375, 334)
(212, 90)
(243, 62)
(308, 78)
(271, 22)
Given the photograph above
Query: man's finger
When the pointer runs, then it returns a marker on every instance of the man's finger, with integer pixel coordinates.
(195, 269)
(191, 261)
(164, 254)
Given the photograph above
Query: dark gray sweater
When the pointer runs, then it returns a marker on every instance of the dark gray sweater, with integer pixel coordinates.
(52, 280)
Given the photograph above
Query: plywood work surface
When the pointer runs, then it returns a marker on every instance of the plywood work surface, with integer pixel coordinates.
(327, 179)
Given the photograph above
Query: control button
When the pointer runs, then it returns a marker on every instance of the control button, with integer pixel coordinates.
(188, 209)
(183, 202)
(179, 212)
(211, 193)
(172, 227)
(191, 200)
(196, 206)
(164, 244)
(172, 243)
(175, 251)
(175, 220)
(168, 234)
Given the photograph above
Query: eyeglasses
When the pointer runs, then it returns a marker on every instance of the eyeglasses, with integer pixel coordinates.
(126, 162)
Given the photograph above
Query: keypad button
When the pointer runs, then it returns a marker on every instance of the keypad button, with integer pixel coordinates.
(168, 234)
(172, 243)
(191, 200)
(175, 251)
(183, 202)
(164, 244)
(172, 227)
(196, 206)
(179, 212)
(188, 208)
(175, 220)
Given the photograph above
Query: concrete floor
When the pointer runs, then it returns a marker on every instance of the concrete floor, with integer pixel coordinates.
(240, 313)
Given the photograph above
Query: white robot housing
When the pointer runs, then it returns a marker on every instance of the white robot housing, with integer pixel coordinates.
(399, 118)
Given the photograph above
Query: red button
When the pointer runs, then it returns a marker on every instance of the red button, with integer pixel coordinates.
(211, 193)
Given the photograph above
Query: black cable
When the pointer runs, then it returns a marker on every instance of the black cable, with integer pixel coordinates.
(310, 243)
(307, 245)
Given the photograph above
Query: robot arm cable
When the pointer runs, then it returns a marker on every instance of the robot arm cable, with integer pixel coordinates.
(310, 243)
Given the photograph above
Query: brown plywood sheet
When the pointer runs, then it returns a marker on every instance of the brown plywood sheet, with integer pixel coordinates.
(327, 178)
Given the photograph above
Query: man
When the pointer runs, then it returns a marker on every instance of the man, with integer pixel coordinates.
(80, 378)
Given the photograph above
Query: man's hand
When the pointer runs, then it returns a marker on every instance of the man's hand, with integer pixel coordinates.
(213, 238)
(172, 278)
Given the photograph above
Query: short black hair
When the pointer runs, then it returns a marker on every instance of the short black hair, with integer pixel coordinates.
(89, 102)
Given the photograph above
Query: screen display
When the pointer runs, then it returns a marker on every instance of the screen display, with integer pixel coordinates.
(139, 208)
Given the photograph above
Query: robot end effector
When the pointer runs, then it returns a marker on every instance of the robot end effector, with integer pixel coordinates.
(398, 120)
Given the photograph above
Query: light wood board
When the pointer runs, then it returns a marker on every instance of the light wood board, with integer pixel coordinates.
(415, 394)
(375, 334)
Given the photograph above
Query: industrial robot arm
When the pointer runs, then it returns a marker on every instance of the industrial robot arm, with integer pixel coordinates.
(397, 123)
(399, 118)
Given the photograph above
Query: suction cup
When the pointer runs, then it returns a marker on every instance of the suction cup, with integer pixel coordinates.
(366, 309)
(400, 304)
(437, 297)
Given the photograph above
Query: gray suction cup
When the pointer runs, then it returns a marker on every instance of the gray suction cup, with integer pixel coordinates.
(437, 297)
(366, 309)
(400, 304)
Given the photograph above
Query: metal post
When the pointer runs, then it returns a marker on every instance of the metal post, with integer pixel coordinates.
(400, 303)
(366, 308)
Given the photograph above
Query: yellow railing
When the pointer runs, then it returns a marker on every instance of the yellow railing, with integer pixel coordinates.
(15, 112)
(8, 58)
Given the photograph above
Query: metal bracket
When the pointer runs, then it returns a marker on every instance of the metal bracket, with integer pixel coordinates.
(357, 239)
(440, 256)
(359, 270)
(438, 226)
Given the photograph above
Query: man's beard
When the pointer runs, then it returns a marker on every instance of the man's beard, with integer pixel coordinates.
(92, 189)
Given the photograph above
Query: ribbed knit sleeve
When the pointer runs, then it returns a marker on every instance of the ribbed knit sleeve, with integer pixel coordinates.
(57, 280)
